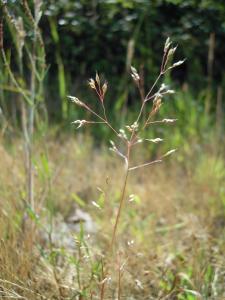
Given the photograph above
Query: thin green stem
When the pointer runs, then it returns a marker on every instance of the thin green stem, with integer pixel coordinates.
(103, 283)
(13, 77)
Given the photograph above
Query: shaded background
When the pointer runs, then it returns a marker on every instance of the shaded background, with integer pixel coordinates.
(82, 37)
(109, 35)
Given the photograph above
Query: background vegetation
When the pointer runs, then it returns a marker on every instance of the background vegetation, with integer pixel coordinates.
(83, 37)
(171, 238)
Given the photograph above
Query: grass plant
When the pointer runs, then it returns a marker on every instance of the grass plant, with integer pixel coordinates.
(102, 229)
(131, 135)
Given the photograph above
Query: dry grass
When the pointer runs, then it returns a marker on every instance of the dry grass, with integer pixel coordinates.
(171, 237)
(157, 235)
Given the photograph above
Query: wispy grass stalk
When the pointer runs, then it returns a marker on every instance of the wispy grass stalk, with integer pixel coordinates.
(131, 134)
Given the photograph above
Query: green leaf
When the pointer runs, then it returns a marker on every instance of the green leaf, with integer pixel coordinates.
(78, 200)
(32, 214)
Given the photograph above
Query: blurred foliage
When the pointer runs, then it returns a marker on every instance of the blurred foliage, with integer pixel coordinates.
(95, 35)
(108, 36)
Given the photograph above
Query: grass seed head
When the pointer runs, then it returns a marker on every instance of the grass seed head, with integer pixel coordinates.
(167, 44)
(104, 88)
(76, 100)
(80, 123)
(169, 152)
(169, 120)
(91, 83)
(135, 74)
(97, 79)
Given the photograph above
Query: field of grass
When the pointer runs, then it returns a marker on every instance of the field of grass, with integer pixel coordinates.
(144, 221)
(170, 242)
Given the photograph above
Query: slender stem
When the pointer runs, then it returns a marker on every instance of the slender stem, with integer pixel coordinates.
(106, 120)
(141, 110)
(95, 122)
(154, 84)
(119, 285)
(30, 146)
(146, 164)
(115, 227)
(13, 77)
(147, 97)
(130, 143)
(23, 288)
(110, 126)
(121, 199)
(33, 21)
(31, 111)
(103, 106)
(54, 267)
(161, 122)
(101, 118)
(102, 291)
(103, 283)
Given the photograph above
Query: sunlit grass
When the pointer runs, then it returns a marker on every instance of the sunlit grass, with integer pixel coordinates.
(171, 232)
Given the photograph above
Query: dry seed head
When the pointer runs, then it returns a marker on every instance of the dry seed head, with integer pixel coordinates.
(157, 97)
(76, 100)
(139, 141)
(113, 148)
(80, 123)
(178, 63)
(104, 88)
(170, 92)
(169, 120)
(165, 90)
(134, 70)
(167, 44)
(112, 143)
(128, 128)
(157, 102)
(135, 77)
(134, 74)
(91, 83)
(134, 126)
(163, 87)
(156, 140)
(97, 78)
(169, 152)
(131, 198)
(172, 51)
(122, 134)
